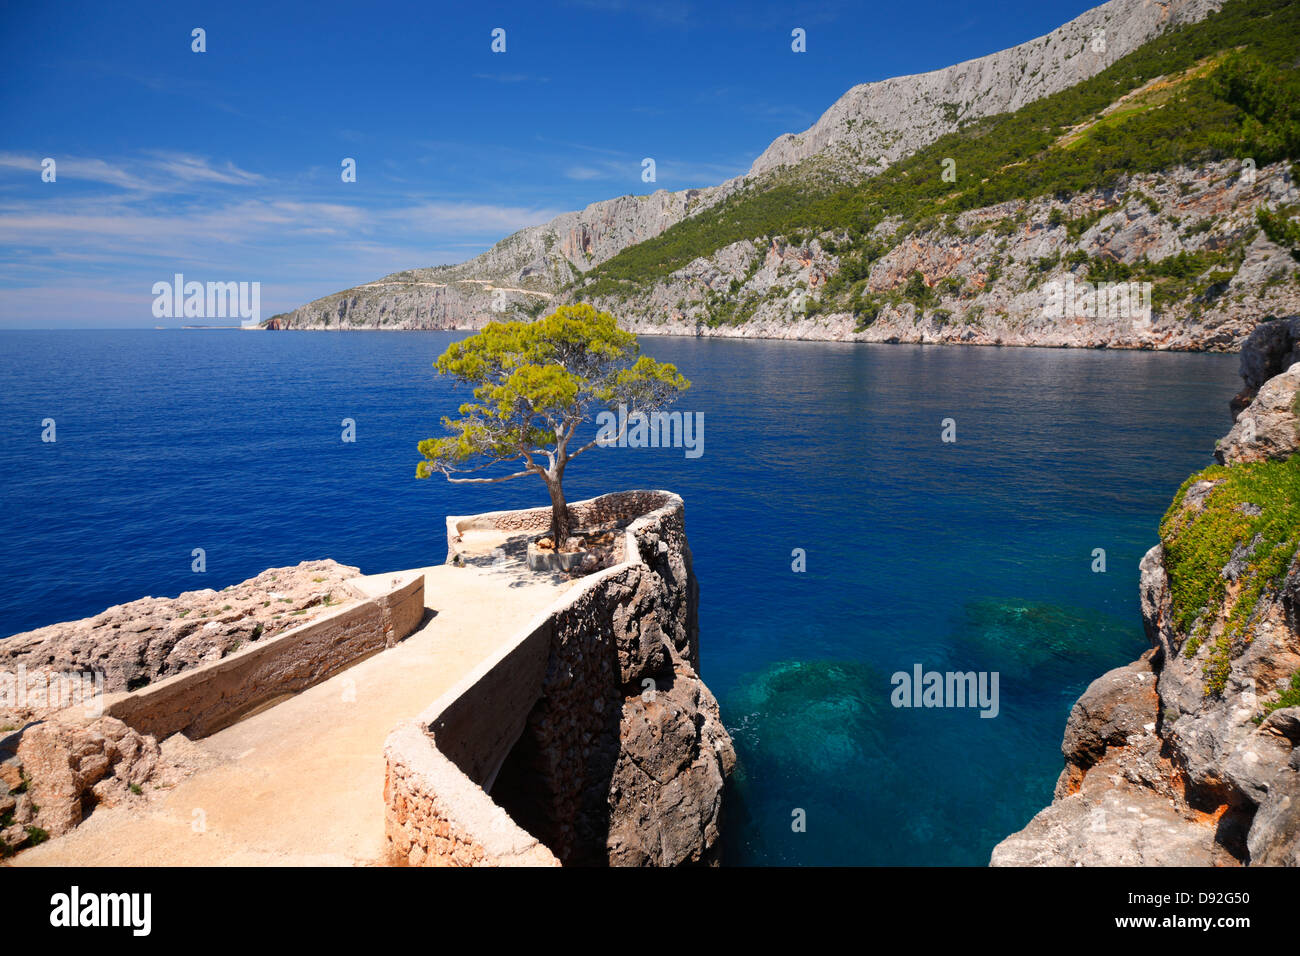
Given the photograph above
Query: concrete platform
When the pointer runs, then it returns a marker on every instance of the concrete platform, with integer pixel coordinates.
(301, 782)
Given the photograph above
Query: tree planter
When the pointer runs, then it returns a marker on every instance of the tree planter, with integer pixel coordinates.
(548, 559)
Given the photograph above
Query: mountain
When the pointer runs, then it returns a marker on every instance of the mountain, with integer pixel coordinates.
(824, 234)
(874, 125)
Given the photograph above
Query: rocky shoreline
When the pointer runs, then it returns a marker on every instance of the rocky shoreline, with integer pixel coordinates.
(986, 277)
(1191, 754)
(60, 757)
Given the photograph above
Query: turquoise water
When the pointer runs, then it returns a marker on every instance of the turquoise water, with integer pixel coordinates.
(973, 555)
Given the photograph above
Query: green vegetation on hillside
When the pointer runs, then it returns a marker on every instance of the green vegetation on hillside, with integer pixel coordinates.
(1249, 522)
(1281, 229)
(1174, 277)
(1231, 89)
(1290, 697)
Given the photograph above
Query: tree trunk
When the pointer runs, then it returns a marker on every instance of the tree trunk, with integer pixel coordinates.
(560, 528)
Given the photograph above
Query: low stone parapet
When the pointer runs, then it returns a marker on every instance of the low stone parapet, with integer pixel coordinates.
(436, 816)
(514, 764)
(206, 699)
(615, 508)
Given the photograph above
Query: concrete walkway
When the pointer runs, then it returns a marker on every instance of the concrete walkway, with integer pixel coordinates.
(301, 783)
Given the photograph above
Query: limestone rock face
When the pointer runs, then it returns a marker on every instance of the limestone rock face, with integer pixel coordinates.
(1266, 420)
(879, 123)
(665, 795)
(985, 270)
(624, 759)
(1269, 427)
(1222, 754)
(58, 769)
(1114, 825)
(1269, 350)
(142, 641)
(1116, 706)
(1116, 803)
(517, 275)
(1275, 834)
(1187, 757)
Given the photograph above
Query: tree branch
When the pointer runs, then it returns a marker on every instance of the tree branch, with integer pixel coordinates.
(485, 481)
(613, 441)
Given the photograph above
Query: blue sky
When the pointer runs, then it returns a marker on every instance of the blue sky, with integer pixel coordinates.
(225, 165)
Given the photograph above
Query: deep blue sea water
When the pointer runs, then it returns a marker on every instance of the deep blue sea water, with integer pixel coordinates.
(973, 555)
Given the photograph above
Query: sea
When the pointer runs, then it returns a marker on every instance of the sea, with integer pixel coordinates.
(857, 514)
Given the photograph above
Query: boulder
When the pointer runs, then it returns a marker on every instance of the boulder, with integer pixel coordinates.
(1119, 705)
(1269, 427)
(1275, 833)
(1272, 347)
(72, 765)
(665, 796)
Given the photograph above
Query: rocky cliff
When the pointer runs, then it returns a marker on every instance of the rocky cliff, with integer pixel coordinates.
(1190, 756)
(867, 130)
(60, 757)
(516, 276)
(875, 124)
(621, 759)
(986, 276)
(150, 639)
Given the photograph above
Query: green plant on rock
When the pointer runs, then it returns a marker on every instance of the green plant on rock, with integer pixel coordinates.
(1249, 520)
(1281, 230)
(1290, 697)
(1212, 106)
(918, 292)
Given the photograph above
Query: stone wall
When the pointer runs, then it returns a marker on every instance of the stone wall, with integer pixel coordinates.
(611, 509)
(208, 698)
(435, 815)
(603, 743)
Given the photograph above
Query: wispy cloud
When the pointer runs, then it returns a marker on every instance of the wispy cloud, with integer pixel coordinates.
(168, 233)
(607, 170)
(582, 173)
(151, 172)
(671, 172)
(96, 249)
(73, 167)
(195, 169)
(449, 217)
